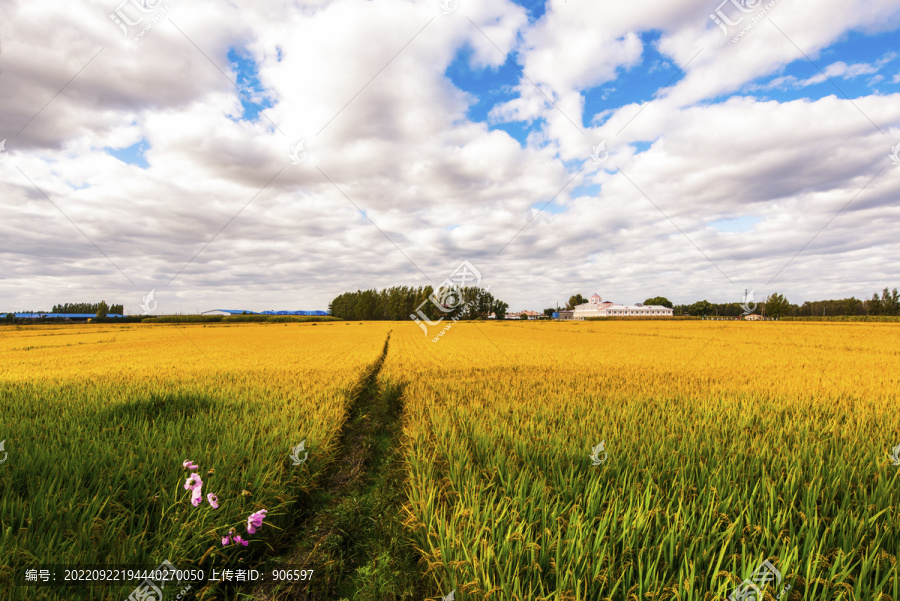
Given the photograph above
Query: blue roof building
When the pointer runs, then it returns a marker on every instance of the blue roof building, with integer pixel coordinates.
(61, 315)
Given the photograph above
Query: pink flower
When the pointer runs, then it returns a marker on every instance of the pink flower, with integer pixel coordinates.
(227, 539)
(190, 465)
(231, 537)
(255, 520)
(193, 482)
(196, 497)
(213, 500)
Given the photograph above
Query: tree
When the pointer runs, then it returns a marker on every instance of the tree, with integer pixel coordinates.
(402, 302)
(522, 315)
(499, 309)
(10, 318)
(890, 302)
(476, 303)
(777, 305)
(659, 300)
(102, 310)
(549, 312)
(703, 307)
(874, 305)
(853, 306)
(575, 301)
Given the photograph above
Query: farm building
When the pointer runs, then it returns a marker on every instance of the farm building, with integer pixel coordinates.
(529, 314)
(596, 307)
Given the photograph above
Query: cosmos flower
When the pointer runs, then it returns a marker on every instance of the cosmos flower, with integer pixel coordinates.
(213, 500)
(190, 465)
(231, 537)
(193, 482)
(255, 520)
(228, 538)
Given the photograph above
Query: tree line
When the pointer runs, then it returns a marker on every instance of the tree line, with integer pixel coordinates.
(776, 305)
(89, 308)
(403, 302)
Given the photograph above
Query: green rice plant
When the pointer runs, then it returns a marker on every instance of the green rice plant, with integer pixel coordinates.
(727, 446)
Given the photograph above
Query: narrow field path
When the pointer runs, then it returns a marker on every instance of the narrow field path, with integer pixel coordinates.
(351, 536)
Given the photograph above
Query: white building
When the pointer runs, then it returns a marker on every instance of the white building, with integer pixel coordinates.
(225, 312)
(598, 308)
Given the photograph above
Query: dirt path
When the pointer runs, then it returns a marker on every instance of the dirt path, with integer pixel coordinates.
(351, 536)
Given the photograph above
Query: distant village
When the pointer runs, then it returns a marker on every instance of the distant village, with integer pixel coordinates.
(596, 307)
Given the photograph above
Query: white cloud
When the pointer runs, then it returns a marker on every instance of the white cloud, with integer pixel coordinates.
(834, 71)
(841, 70)
(363, 84)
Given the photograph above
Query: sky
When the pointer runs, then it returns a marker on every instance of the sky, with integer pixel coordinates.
(275, 154)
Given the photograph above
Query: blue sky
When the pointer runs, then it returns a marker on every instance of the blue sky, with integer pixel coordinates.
(251, 93)
(875, 57)
(132, 155)
(877, 52)
(535, 8)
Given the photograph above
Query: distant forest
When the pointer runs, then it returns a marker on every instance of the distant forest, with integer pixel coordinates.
(401, 302)
(888, 303)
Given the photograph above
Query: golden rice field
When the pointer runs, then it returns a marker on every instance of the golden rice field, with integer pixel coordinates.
(725, 444)
(98, 420)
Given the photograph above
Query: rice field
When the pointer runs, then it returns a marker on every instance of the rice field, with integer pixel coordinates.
(99, 419)
(724, 445)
